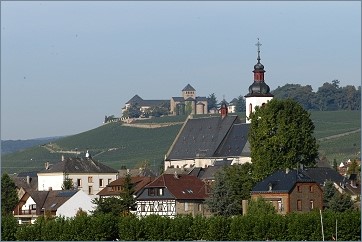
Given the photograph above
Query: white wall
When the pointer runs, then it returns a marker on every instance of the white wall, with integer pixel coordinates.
(254, 101)
(47, 180)
(55, 180)
(71, 207)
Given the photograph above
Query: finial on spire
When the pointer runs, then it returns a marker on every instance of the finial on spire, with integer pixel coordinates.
(258, 44)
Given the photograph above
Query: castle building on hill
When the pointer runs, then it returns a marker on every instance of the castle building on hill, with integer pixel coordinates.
(145, 104)
(189, 103)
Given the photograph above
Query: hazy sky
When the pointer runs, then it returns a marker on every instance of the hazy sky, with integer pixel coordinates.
(65, 65)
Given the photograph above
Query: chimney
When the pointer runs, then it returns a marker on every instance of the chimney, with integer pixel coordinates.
(87, 155)
(46, 164)
(28, 180)
(175, 175)
(270, 187)
(62, 157)
(286, 170)
(50, 188)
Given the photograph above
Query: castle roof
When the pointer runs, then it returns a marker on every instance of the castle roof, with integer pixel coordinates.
(188, 88)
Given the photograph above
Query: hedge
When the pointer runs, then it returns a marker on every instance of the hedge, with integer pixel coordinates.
(294, 226)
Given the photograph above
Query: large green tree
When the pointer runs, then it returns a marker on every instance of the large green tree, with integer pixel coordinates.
(232, 185)
(281, 136)
(9, 196)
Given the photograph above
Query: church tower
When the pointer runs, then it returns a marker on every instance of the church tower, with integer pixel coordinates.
(259, 92)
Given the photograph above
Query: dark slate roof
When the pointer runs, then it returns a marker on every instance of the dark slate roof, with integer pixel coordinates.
(39, 197)
(182, 187)
(207, 173)
(79, 165)
(322, 174)
(188, 88)
(22, 182)
(178, 99)
(281, 181)
(200, 99)
(135, 99)
(153, 103)
(136, 172)
(28, 173)
(200, 137)
(190, 99)
(235, 141)
(210, 137)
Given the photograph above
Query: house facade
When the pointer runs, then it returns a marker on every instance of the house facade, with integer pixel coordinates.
(173, 194)
(64, 203)
(116, 187)
(290, 191)
(87, 175)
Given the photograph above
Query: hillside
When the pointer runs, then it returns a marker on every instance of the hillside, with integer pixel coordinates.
(10, 146)
(338, 133)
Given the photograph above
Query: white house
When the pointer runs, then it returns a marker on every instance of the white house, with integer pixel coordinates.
(64, 203)
(88, 175)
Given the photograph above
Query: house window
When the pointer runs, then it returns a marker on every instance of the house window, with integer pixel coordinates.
(160, 207)
(33, 207)
(151, 207)
(186, 206)
(299, 205)
(250, 108)
(311, 203)
(90, 179)
(101, 182)
(310, 188)
(299, 188)
(151, 192)
(90, 190)
(280, 206)
(160, 192)
(109, 180)
(79, 182)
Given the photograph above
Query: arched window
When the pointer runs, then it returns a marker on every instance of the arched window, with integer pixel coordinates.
(250, 108)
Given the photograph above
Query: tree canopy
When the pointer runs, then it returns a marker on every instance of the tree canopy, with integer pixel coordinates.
(281, 136)
(9, 196)
(328, 97)
(211, 101)
(232, 185)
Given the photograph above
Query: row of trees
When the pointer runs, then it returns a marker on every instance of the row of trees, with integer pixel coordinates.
(328, 97)
(251, 227)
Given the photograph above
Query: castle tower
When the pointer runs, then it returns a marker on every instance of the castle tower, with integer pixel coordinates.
(188, 92)
(259, 92)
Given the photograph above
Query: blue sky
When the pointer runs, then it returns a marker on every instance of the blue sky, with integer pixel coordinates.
(65, 65)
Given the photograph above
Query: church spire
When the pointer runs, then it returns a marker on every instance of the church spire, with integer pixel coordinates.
(258, 44)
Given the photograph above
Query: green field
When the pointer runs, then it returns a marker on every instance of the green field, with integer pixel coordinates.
(117, 145)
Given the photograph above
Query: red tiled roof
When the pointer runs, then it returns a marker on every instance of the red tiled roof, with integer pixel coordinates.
(138, 181)
(182, 187)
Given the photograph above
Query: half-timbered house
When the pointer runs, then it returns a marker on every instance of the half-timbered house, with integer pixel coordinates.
(173, 194)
